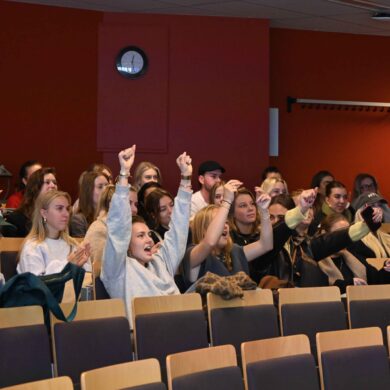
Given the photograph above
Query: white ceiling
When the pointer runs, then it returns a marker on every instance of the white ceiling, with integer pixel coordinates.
(348, 16)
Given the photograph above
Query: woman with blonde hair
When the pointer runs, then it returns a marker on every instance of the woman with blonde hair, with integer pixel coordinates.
(274, 186)
(146, 172)
(48, 247)
(213, 249)
(216, 193)
(96, 234)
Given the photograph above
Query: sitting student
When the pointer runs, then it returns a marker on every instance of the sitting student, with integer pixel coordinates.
(320, 180)
(209, 173)
(213, 249)
(129, 268)
(271, 172)
(365, 184)
(48, 247)
(26, 170)
(336, 201)
(145, 173)
(159, 207)
(40, 181)
(216, 193)
(96, 234)
(245, 228)
(91, 186)
(376, 244)
(342, 268)
(142, 194)
(296, 260)
(274, 186)
(97, 168)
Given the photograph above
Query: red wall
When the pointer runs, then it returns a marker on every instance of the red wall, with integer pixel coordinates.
(48, 88)
(330, 66)
(216, 96)
(215, 91)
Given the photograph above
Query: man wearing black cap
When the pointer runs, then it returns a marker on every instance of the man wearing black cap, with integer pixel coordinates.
(209, 173)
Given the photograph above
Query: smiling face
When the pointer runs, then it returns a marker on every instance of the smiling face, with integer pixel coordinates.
(141, 243)
(244, 209)
(337, 199)
(56, 216)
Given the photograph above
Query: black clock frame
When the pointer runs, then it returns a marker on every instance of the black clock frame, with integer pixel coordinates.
(118, 62)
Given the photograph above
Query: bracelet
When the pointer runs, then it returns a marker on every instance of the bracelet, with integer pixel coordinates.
(124, 174)
(226, 201)
(183, 177)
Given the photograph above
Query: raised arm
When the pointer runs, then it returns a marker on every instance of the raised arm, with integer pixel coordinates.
(216, 227)
(175, 240)
(265, 242)
(298, 214)
(119, 220)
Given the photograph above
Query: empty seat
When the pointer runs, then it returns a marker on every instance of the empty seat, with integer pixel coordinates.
(311, 310)
(369, 306)
(25, 354)
(237, 320)
(84, 345)
(141, 374)
(279, 363)
(168, 324)
(9, 249)
(213, 368)
(21, 316)
(354, 359)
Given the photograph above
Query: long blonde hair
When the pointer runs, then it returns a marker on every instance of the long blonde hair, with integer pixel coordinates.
(39, 230)
(199, 226)
(141, 168)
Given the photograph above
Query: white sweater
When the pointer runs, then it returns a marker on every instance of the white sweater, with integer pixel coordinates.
(124, 277)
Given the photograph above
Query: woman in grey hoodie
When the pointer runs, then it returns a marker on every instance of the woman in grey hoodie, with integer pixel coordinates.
(130, 266)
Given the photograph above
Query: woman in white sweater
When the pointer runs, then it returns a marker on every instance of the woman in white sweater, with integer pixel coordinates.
(48, 247)
(130, 268)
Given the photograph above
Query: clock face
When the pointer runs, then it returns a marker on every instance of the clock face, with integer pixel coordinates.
(131, 62)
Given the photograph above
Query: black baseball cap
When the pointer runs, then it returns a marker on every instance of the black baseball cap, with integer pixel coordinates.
(208, 166)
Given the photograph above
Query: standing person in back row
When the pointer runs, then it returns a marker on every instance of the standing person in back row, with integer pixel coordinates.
(209, 173)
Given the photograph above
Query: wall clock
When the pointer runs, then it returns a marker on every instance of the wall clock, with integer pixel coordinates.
(131, 62)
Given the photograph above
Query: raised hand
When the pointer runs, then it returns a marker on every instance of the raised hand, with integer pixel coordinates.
(230, 188)
(377, 215)
(184, 162)
(306, 199)
(126, 159)
(81, 255)
(263, 201)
